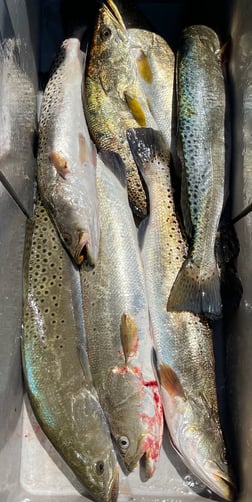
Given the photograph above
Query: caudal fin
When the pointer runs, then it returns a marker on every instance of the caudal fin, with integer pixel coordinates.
(194, 292)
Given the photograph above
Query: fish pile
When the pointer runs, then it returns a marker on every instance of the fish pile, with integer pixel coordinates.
(121, 279)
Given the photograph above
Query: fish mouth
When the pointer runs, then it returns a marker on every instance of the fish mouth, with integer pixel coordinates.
(141, 454)
(114, 13)
(83, 254)
(215, 478)
(113, 495)
(221, 483)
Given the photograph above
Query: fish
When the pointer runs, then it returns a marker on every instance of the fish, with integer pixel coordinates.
(201, 104)
(183, 341)
(113, 97)
(116, 316)
(155, 62)
(66, 160)
(55, 365)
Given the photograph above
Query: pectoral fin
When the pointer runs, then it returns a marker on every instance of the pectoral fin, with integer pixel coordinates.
(170, 381)
(129, 336)
(60, 163)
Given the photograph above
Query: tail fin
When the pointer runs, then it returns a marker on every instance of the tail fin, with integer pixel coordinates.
(195, 292)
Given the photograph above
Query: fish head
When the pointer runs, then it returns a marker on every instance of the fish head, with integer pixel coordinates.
(93, 459)
(74, 211)
(196, 435)
(135, 418)
(108, 55)
(204, 37)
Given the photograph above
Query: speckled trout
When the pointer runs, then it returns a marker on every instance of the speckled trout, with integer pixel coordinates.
(201, 103)
(183, 341)
(67, 157)
(55, 364)
(114, 100)
(116, 315)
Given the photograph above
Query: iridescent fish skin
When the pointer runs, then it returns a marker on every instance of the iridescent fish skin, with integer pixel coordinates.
(183, 341)
(114, 100)
(201, 103)
(119, 342)
(67, 157)
(55, 365)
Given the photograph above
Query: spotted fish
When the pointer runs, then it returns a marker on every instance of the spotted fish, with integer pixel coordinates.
(55, 364)
(66, 170)
(114, 100)
(116, 315)
(183, 341)
(202, 148)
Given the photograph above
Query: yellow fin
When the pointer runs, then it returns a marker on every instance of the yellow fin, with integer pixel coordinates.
(129, 336)
(136, 110)
(144, 68)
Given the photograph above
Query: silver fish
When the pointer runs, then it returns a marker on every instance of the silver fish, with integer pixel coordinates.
(155, 62)
(183, 341)
(116, 317)
(55, 363)
(67, 157)
(201, 135)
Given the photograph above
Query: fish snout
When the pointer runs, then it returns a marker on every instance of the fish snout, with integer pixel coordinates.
(221, 481)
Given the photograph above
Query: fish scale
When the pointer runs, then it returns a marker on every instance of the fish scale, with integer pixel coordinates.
(183, 341)
(116, 318)
(202, 143)
(114, 100)
(66, 170)
(55, 363)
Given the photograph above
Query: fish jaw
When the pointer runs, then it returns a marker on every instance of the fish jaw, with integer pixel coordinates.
(197, 438)
(135, 417)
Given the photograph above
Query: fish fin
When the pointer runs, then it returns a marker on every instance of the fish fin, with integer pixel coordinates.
(129, 336)
(60, 163)
(144, 68)
(146, 145)
(170, 381)
(116, 165)
(141, 231)
(192, 293)
(136, 109)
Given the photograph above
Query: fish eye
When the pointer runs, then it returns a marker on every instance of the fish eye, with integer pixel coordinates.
(99, 466)
(105, 33)
(123, 443)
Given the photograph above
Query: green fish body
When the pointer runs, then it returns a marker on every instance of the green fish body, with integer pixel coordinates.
(55, 364)
(201, 104)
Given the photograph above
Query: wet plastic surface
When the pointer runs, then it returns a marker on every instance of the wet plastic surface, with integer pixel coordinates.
(30, 468)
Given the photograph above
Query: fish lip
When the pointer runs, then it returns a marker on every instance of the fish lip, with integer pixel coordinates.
(215, 479)
(114, 13)
(114, 490)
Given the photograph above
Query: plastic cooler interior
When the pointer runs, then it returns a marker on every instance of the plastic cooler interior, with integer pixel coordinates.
(30, 468)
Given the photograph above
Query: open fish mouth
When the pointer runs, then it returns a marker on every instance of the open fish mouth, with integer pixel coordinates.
(114, 13)
(83, 254)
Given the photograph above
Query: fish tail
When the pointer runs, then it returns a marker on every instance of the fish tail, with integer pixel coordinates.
(196, 293)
